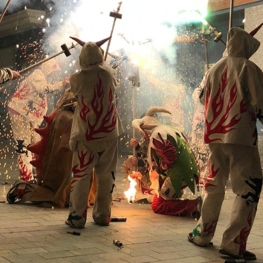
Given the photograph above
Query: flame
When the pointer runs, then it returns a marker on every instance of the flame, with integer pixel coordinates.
(131, 192)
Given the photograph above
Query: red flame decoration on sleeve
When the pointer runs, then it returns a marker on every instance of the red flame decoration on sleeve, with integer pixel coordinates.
(106, 118)
(222, 123)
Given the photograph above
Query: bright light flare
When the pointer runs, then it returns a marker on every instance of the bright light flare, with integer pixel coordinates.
(131, 192)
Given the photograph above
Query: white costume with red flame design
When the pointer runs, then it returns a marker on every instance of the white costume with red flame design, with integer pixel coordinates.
(26, 109)
(233, 99)
(94, 134)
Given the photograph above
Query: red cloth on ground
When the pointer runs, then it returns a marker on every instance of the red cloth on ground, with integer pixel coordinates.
(173, 207)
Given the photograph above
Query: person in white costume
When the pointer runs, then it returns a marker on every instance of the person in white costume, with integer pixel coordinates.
(94, 135)
(233, 98)
(26, 110)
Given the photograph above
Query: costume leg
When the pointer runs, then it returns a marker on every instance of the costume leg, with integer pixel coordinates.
(83, 161)
(246, 179)
(105, 174)
(214, 195)
(22, 134)
(93, 190)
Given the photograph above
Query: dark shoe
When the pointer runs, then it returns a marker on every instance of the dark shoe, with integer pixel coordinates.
(74, 225)
(191, 239)
(196, 215)
(246, 255)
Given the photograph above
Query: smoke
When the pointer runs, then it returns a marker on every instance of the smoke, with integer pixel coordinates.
(146, 32)
(143, 23)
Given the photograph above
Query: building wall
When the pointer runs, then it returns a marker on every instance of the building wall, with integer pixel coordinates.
(7, 57)
(253, 18)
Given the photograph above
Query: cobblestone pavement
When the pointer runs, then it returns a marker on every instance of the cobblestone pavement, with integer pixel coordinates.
(29, 233)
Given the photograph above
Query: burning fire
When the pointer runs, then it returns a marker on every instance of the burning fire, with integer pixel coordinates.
(131, 192)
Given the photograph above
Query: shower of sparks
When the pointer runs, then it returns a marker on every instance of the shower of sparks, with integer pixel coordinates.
(145, 37)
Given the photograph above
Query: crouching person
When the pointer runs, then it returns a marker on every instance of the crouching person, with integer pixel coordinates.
(171, 165)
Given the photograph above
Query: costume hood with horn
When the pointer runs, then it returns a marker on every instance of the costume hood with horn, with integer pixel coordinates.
(169, 150)
(228, 117)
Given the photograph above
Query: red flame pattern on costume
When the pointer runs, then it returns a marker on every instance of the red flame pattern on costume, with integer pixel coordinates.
(79, 169)
(84, 110)
(25, 174)
(208, 229)
(220, 122)
(144, 189)
(241, 239)
(22, 91)
(106, 119)
(210, 177)
(166, 150)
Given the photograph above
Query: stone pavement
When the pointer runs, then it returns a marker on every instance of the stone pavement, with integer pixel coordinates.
(29, 233)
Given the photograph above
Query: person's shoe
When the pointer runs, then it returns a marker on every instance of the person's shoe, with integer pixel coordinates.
(72, 225)
(191, 239)
(75, 221)
(102, 220)
(246, 255)
(196, 215)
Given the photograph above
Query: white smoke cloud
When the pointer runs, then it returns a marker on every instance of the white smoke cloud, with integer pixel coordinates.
(146, 32)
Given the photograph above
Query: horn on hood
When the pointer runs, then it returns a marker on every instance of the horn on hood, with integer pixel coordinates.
(153, 110)
(101, 42)
(136, 123)
(78, 41)
(254, 31)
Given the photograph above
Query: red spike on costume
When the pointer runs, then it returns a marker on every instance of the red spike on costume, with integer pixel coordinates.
(39, 147)
(36, 148)
(49, 118)
(36, 163)
(42, 131)
(254, 31)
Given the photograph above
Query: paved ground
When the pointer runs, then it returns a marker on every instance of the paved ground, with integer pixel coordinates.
(35, 234)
